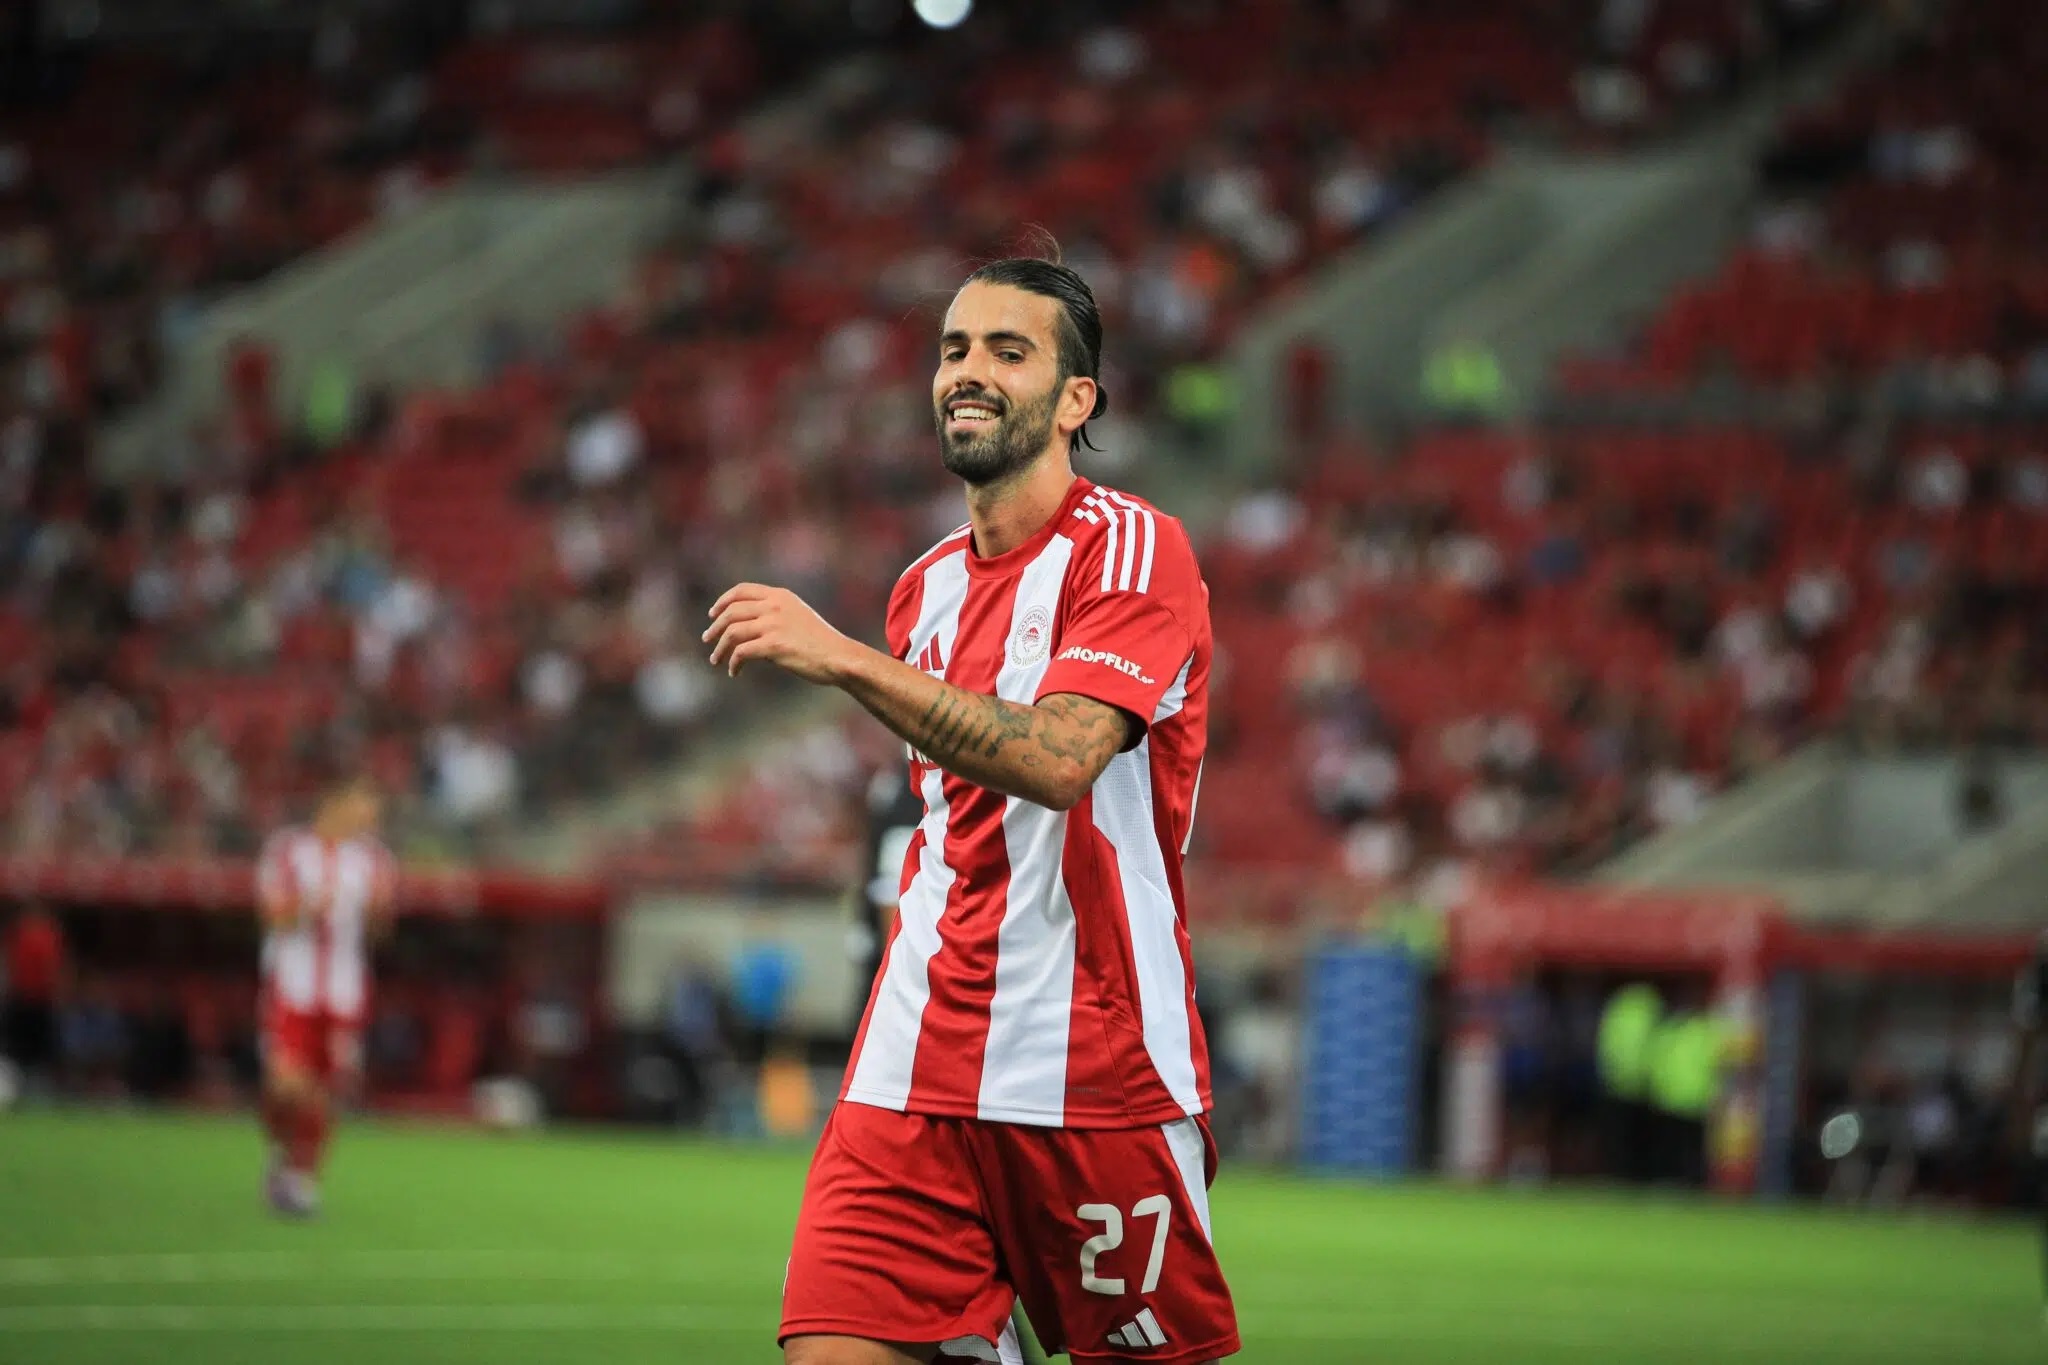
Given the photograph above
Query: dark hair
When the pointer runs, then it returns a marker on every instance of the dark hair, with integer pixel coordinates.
(1080, 338)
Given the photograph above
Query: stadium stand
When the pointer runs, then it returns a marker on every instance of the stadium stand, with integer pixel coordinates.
(1520, 651)
(1896, 234)
(487, 594)
(122, 231)
(483, 589)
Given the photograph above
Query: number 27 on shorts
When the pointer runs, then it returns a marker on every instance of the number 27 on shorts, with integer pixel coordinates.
(1157, 1207)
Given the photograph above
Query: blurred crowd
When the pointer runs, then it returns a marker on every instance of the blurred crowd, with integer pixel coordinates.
(1526, 651)
(1893, 243)
(488, 595)
(1908, 1095)
(1943, 1130)
(1457, 652)
(1809, 494)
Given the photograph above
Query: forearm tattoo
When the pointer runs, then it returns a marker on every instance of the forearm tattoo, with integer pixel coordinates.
(961, 724)
(1004, 744)
(1089, 732)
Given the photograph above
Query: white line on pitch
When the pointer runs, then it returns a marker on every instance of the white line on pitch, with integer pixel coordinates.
(587, 1317)
(515, 1317)
(240, 1267)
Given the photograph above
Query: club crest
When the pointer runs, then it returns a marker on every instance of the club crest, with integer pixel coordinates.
(1032, 638)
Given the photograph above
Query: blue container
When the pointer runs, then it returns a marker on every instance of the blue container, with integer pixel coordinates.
(1362, 1058)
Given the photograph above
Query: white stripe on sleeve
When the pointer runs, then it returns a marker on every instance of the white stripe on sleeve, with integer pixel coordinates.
(1131, 535)
(1151, 540)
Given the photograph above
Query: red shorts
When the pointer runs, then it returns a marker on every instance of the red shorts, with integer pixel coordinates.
(918, 1229)
(323, 1044)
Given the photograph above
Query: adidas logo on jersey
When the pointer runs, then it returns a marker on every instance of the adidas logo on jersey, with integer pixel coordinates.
(1141, 1333)
(933, 659)
(1101, 656)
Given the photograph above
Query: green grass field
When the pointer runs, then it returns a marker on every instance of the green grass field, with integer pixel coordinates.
(130, 1239)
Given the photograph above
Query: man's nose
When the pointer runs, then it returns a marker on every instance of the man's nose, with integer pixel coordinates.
(972, 372)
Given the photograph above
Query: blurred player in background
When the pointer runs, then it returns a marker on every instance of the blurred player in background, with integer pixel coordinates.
(1024, 1116)
(895, 811)
(37, 971)
(325, 893)
(2030, 1117)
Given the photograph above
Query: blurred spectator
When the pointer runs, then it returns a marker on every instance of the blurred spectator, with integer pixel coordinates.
(764, 977)
(1349, 779)
(1686, 1077)
(694, 1032)
(35, 989)
(553, 1030)
(604, 447)
(1675, 797)
(1817, 600)
(1559, 557)
(1937, 481)
(1463, 379)
(1264, 521)
(1199, 399)
(1628, 1029)
(93, 1037)
(160, 1062)
(1261, 1039)
(1980, 795)
(474, 776)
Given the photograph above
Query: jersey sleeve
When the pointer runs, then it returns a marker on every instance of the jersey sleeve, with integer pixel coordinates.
(1135, 603)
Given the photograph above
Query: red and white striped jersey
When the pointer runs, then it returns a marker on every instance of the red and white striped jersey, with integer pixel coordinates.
(1039, 969)
(323, 965)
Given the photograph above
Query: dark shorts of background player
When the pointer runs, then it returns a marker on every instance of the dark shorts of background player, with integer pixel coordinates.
(923, 1229)
(28, 1035)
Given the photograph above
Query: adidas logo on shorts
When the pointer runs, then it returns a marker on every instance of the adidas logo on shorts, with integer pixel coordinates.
(1142, 1333)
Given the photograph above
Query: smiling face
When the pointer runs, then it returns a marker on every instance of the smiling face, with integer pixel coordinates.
(999, 397)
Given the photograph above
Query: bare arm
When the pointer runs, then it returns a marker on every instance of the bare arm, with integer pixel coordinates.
(1049, 754)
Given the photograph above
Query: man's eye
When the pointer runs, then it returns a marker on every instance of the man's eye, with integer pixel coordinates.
(1013, 357)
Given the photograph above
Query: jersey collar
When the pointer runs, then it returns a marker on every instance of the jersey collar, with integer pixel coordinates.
(1012, 562)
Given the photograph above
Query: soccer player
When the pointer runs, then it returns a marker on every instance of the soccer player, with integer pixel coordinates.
(1024, 1112)
(2029, 1117)
(895, 814)
(36, 973)
(324, 892)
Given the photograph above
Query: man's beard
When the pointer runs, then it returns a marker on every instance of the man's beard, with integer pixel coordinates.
(994, 450)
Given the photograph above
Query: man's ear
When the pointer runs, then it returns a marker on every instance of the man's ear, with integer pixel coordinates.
(1081, 403)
